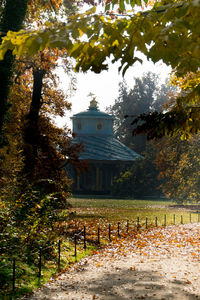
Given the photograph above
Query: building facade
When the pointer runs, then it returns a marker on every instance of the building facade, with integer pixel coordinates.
(106, 156)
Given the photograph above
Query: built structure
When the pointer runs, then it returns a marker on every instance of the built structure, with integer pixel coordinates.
(106, 156)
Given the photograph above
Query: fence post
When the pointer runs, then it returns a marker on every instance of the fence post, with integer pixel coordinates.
(181, 219)
(138, 223)
(109, 233)
(84, 236)
(14, 274)
(40, 263)
(59, 250)
(75, 245)
(174, 219)
(118, 229)
(156, 222)
(190, 218)
(98, 233)
(127, 225)
(146, 222)
(165, 220)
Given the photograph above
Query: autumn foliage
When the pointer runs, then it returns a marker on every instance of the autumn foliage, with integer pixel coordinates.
(34, 181)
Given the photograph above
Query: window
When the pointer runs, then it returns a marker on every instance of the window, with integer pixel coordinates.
(99, 125)
(79, 125)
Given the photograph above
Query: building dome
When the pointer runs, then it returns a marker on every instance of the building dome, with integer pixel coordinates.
(94, 129)
(93, 122)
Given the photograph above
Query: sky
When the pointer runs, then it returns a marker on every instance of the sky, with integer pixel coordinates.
(105, 86)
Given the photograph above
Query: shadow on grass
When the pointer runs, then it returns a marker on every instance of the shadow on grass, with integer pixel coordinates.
(89, 216)
(191, 207)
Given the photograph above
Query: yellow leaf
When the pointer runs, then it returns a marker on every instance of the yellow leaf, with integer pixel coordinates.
(115, 43)
(99, 265)
(81, 33)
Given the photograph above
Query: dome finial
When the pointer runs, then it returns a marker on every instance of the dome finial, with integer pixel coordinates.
(93, 102)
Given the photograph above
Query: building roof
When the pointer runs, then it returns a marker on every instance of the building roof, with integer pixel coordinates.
(104, 148)
(92, 113)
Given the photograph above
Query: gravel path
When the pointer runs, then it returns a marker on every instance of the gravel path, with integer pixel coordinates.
(163, 263)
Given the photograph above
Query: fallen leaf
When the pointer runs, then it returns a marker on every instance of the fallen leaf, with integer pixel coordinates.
(188, 281)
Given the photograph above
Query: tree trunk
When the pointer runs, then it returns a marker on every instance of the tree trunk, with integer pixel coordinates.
(12, 19)
(32, 134)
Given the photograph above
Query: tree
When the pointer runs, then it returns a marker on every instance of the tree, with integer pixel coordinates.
(29, 14)
(46, 99)
(145, 96)
(141, 180)
(31, 203)
(34, 185)
(12, 18)
(38, 69)
(179, 164)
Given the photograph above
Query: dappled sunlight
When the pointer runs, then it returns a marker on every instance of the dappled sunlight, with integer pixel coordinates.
(161, 263)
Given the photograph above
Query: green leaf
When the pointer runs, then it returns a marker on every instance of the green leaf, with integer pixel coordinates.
(121, 5)
(114, 2)
(91, 11)
(107, 7)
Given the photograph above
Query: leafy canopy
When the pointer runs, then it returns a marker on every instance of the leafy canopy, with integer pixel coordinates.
(169, 32)
(164, 30)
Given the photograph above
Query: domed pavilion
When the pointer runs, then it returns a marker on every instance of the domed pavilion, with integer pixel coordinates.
(105, 154)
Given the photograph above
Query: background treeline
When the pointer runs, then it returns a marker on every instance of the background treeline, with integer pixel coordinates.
(170, 165)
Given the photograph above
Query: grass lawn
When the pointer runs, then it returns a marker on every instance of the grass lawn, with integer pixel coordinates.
(119, 210)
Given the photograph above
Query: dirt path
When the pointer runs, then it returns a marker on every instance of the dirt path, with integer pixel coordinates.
(160, 264)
